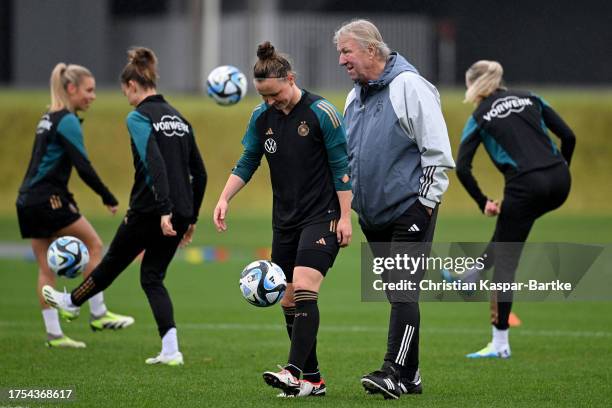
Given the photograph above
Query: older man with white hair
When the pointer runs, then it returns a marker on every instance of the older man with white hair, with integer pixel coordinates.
(399, 153)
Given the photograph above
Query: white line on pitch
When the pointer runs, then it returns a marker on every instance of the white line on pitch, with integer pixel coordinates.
(355, 329)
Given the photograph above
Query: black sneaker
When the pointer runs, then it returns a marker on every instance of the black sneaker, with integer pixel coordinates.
(413, 386)
(382, 382)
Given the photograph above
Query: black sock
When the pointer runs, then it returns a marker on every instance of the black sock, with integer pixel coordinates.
(311, 367)
(305, 328)
(503, 313)
(84, 291)
(289, 313)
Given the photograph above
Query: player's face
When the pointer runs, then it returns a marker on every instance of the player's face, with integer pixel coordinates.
(357, 60)
(275, 92)
(81, 96)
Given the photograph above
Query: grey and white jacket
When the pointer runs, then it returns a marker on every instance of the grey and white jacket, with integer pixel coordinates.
(398, 144)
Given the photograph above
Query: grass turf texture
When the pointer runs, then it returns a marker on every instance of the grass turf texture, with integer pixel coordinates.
(561, 354)
(219, 131)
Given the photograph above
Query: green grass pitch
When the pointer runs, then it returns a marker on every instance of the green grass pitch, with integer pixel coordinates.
(561, 354)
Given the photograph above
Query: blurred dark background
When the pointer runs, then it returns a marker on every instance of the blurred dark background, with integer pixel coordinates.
(547, 42)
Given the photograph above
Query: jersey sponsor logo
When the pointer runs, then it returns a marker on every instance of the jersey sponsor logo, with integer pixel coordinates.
(303, 129)
(171, 125)
(503, 107)
(270, 145)
(44, 125)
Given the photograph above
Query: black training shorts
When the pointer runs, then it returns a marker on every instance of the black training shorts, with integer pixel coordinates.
(45, 219)
(313, 246)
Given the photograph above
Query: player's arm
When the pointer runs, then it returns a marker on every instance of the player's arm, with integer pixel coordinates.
(558, 126)
(470, 140)
(141, 132)
(71, 137)
(233, 185)
(241, 173)
(421, 117)
(334, 136)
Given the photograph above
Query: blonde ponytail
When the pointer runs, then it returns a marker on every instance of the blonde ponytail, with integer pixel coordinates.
(482, 79)
(61, 76)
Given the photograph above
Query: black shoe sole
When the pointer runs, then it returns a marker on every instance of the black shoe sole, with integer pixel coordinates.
(373, 388)
(416, 390)
(272, 381)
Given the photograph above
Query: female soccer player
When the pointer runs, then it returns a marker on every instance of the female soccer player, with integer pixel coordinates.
(168, 190)
(303, 139)
(512, 125)
(45, 207)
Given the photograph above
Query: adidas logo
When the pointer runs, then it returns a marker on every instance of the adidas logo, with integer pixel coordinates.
(414, 228)
(322, 241)
(269, 132)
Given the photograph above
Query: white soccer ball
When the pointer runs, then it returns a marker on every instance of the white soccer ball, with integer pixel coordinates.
(262, 283)
(67, 256)
(226, 85)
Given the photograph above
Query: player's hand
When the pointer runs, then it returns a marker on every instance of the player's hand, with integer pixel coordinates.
(188, 236)
(492, 208)
(166, 226)
(219, 215)
(344, 231)
(112, 209)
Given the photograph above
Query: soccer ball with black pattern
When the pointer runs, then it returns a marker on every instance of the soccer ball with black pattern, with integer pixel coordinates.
(67, 256)
(226, 85)
(262, 283)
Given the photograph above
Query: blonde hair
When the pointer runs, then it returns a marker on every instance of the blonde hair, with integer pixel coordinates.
(482, 79)
(366, 34)
(61, 76)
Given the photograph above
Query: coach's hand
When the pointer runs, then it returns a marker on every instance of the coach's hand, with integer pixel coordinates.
(344, 231)
(219, 215)
(188, 236)
(166, 226)
(492, 208)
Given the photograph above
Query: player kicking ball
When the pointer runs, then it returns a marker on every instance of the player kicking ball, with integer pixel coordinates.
(168, 190)
(536, 173)
(46, 209)
(303, 139)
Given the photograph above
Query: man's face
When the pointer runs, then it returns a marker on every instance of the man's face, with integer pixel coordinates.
(357, 60)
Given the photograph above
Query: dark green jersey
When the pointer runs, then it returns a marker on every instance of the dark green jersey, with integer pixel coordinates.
(513, 127)
(306, 153)
(170, 174)
(58, 145)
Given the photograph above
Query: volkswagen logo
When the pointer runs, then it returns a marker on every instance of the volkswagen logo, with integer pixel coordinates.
(270, 145)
